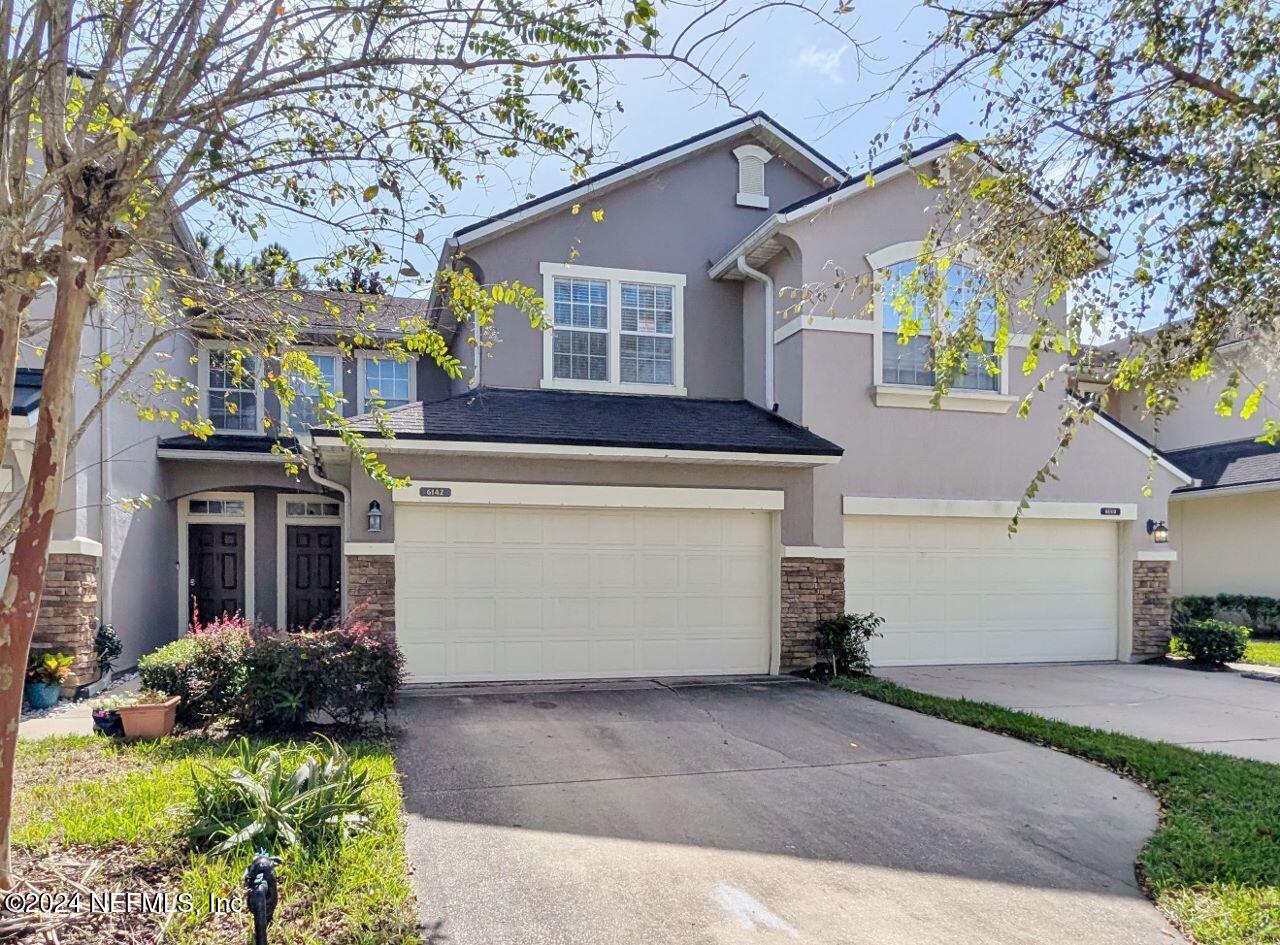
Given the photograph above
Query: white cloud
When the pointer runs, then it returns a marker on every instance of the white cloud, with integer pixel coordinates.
(823, 62)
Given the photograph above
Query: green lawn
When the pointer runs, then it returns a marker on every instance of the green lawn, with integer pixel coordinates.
(1213, 865)
(120, 803)
(1263, 652)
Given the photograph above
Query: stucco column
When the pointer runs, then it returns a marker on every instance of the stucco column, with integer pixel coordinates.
(812, 589)
(371, 590)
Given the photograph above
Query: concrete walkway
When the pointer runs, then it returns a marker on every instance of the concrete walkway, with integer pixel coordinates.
(1212, 711)
(655, 812)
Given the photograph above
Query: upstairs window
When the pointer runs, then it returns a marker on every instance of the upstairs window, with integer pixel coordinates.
(231, 381)
(386, 382)
(751, 161)
(304, 410)
(911, 364)
(613, 330)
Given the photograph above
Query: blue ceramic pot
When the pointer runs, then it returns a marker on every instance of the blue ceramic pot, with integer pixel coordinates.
(42, 695)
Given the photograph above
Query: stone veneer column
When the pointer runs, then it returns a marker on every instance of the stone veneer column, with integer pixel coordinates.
(1152, 609)
(371, 586)
(812, 590)
(68, 617)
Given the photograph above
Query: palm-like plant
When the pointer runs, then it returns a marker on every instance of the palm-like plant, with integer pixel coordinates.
(273, 798)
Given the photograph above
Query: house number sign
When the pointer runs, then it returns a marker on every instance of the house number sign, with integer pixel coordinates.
(1109, 510)
(435, 492)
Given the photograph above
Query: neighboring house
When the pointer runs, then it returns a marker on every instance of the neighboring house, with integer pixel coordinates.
(1225, 526)
(675, 478)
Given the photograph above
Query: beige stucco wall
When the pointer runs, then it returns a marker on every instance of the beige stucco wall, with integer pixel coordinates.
(1227, 544)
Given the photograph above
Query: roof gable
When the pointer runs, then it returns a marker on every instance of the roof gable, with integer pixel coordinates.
(804, 157)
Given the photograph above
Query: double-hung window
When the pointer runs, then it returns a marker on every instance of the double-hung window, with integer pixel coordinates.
(386, 382)
(613, 330)
(305, 410)
(231, 382)
(911, 364)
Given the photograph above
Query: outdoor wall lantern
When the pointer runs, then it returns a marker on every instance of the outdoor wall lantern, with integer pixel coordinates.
(1158, 531)
(375, 517)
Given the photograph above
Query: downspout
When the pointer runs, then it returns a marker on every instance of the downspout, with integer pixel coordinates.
(106, 564)
(764, 280)
(345, 492)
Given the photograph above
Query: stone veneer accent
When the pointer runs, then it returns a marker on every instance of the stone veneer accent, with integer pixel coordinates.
(1152, 609)
(68, 617)
(812, 590)
(371, 585)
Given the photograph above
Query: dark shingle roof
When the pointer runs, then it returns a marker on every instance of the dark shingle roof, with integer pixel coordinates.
(26, 391)
(1234, 463)
(500, 415)
(326, 313)
(226, 442)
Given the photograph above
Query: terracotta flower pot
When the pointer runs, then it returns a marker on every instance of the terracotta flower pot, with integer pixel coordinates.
(154, 720)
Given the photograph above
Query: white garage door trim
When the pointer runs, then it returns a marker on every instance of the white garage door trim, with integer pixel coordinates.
(988, 508)
(931, 583)
(587, 497)
(609, 499)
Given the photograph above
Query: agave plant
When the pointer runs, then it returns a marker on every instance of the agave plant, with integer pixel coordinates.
(278, 797)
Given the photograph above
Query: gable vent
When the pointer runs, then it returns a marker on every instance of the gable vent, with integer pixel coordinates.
(751, 161)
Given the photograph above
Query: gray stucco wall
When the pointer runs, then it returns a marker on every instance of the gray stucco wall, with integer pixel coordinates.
(677, 219)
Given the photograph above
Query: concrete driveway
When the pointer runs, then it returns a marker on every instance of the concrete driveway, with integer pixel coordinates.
(1212, 711)
(756, 812)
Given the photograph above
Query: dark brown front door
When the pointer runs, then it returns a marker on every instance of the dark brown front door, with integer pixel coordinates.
(314, 573)
(216, 561)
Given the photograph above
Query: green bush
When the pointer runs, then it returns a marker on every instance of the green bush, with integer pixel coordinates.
(207, 669)
(343, 672)
(842, 644)
(264, 679)
(308, 796)
(1192, 607)
(1210, 641)
(1260, 613)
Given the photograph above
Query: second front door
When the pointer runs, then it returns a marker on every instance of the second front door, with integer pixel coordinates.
(314, 574)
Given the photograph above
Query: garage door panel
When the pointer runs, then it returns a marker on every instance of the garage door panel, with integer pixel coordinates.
(960, 590)
(518, 593)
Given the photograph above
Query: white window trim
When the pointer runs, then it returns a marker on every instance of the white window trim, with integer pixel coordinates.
(204, 347)
(283, 520)
(362, 357)
(615, 278)
(185, 518)
(339, 371)
(745, 198)
(910, 395)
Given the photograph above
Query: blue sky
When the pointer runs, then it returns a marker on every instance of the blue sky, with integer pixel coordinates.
(799, 71)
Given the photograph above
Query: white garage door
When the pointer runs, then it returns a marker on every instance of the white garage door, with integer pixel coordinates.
(958, 590)
(490, 593)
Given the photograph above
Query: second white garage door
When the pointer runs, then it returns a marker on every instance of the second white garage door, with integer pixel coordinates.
(500, 593)
(958, 590)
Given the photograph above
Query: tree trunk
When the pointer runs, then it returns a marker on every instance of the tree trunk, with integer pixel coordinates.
(20, 604)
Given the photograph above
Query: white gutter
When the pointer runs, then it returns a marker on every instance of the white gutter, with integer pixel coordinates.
(767, 283)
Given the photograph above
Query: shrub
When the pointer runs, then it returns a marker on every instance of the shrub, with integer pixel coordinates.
(1186, 609)
(842, 643)
(49, 669)
(1210, 641)
(1260, 613)
(107, 646)
(207, 668)
(309, 796)
(342, 671)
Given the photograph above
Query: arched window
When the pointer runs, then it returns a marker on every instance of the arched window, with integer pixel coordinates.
(751, 161)
(912, 363)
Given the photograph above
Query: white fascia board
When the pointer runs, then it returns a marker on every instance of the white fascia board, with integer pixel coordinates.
(1148, 451)
(561, 451)
(76, 546)
(225, 456)
(586, 497)
(988, 508)
(1214, 491)
(587, 188)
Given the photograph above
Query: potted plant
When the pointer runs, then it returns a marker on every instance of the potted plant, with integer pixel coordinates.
(147, 714)
(45, 675)
(106, 714)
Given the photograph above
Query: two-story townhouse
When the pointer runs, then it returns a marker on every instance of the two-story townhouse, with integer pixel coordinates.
(673, 478)
(1224, 525)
